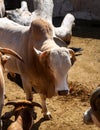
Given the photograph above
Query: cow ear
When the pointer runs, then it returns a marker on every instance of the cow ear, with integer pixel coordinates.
(44, 54)
(59, 42)
(36, 52)
(41, 54)
(44, 57)
(72, 56)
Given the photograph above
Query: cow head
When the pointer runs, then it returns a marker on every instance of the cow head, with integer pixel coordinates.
(92, 115)
(53, 63)
(60, 63)
(56, 63)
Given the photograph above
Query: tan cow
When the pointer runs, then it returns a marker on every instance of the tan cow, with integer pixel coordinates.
(46, 69)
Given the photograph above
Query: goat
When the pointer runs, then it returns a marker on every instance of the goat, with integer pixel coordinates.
(24, 114)
(3, 60)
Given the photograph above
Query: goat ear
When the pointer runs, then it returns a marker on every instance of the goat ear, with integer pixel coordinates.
(4, 59)
(7, 115)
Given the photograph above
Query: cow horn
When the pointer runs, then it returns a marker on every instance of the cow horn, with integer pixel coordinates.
(59, 42)
(73, 58)
(37, 51)
(11, 52)
(95, 100)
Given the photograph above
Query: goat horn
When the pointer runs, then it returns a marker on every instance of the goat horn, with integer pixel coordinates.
(24, 103)
(11, 52)
(36, 104)
(19, 103)
(7, 115)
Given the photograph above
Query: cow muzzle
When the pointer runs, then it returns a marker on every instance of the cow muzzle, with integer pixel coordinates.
(63, 92)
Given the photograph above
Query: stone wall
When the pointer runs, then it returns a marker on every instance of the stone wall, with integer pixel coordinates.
(82, 9)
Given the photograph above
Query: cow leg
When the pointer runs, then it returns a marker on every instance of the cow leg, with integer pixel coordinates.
(46, 113)
(2, 8)
(27, 86)
(1, 107)
(1, 104)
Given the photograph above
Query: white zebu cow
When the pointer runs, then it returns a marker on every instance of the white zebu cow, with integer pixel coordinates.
(43, 9)
(45, 70)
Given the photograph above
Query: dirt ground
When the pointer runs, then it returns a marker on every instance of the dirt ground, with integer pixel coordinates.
(84, 77)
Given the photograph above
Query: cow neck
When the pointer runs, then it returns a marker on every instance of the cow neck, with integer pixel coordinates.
(29, 47)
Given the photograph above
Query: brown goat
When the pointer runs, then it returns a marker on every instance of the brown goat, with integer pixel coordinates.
(24, 114)
(3, 60)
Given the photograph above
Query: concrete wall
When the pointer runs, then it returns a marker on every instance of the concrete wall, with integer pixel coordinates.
(82, 9)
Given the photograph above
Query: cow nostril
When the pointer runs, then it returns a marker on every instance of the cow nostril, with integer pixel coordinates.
(63, 92)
